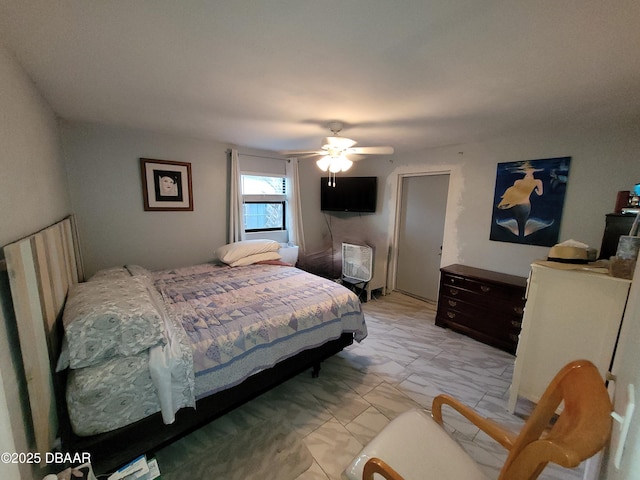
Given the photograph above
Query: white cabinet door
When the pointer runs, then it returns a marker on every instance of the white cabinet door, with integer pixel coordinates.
(569, 315)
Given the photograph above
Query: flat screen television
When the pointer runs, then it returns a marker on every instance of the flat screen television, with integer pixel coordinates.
(350, 194)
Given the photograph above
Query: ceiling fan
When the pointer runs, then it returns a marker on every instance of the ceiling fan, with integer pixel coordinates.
(334, 151)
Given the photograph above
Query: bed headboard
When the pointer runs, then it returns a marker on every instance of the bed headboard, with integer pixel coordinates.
(41, 268)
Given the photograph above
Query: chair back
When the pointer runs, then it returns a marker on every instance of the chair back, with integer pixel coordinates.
(580, 431)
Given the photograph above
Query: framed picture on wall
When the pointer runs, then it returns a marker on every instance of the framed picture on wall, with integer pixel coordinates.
(166, 185)
(528, 201)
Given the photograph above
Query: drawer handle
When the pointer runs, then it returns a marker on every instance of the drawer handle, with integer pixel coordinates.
(452, 303)
(516, 323)
(518, 310)
(452, 280)
(513, 337)
(453, 291)
(485, 288)
(451, 315)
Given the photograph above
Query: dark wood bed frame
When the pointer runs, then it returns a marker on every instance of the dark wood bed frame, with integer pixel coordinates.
(41, 269)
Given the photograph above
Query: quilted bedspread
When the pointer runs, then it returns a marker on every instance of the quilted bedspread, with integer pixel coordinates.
(241, 320)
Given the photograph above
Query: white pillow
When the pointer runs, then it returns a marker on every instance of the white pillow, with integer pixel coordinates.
(258, 257)
(233, 252)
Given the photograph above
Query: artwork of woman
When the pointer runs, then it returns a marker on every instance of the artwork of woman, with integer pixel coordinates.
(168, 186)
(517, 198)
(518, 186)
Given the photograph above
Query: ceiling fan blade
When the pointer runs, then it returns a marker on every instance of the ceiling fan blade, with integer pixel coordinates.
(293, 153)
(371, 150)
(312, 154)
(338, 142)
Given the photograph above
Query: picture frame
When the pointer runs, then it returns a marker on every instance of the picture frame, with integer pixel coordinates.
(166, 185)
(528, 201)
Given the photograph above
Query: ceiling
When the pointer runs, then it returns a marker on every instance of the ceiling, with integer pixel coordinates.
(273, 74)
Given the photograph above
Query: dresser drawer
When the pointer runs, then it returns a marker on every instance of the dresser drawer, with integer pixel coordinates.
(504, 340)
(484, 320)
(512, 304)
(491, 290)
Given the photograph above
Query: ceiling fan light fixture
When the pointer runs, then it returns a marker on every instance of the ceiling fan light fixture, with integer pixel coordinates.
(345, 164)
(335, 164)
(324, 163)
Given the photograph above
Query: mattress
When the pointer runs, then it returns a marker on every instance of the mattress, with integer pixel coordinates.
(231, 322)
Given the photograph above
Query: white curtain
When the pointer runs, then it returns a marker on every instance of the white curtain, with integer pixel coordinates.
(236, 218)
(294, 216)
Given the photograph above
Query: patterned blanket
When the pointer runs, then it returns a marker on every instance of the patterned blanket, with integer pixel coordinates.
(244, 319)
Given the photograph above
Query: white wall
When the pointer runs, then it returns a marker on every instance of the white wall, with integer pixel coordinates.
(106, 194)
(604, 161)
(33, 184)
(33, 195)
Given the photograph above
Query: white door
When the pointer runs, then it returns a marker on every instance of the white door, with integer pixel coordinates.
(625, 368)
(421, 229)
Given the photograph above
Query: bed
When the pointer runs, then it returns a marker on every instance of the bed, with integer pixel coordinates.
(218, 336)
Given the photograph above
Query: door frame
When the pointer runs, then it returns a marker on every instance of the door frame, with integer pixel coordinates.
(395, 240)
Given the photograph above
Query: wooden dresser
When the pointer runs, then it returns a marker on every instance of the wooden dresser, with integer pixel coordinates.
(482, 304)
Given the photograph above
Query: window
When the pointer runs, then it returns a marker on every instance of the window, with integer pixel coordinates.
(264, 202)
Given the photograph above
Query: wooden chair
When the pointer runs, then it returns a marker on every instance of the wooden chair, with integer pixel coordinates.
(413, 446)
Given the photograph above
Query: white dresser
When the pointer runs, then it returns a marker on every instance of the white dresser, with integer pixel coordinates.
(569, 314)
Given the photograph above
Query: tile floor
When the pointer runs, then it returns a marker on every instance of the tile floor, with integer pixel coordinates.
(404, 362)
